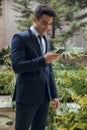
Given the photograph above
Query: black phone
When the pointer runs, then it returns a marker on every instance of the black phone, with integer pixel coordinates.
(60, 51)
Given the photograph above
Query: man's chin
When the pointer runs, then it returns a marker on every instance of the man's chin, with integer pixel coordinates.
(44, 33)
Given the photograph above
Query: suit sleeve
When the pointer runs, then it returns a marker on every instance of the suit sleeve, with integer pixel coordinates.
(54, 92)
(53, 88)
(18, 57)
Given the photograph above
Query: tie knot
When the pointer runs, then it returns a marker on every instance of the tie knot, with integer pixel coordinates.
(40, 36)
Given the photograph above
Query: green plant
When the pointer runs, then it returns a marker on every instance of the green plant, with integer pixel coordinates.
(4, 52)
(7, 82)
(7, 77)
(73, 120)
(70, 83)
(50, 119)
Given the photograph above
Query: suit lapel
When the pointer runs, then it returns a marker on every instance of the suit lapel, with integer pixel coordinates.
(34, 42)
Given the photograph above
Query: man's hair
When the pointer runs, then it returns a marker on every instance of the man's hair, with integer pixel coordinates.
(44, 10)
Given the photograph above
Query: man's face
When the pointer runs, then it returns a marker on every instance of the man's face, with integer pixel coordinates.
(43, 24)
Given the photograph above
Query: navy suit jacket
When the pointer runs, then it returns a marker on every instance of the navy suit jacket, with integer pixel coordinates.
(33, 74)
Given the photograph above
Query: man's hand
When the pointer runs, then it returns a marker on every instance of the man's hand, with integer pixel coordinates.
(55, 103)
(50, 57)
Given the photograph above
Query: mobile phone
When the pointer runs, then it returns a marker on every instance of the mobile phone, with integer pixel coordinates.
(60, 51)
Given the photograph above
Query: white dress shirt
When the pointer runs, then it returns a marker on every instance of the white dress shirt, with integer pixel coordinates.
(37, 34)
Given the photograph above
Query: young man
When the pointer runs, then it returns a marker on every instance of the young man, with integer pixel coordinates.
(31, 59)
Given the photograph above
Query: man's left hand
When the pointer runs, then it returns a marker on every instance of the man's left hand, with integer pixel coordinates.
(55, 103)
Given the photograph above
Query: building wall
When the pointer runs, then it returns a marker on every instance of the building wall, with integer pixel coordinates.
(8, 26)
(2, 26)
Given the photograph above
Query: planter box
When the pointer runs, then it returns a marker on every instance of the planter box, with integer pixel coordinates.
(5, 101)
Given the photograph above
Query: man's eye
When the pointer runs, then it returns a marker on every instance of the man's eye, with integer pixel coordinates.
(44, 23)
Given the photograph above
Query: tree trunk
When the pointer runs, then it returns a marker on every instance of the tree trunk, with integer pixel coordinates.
(53, 31)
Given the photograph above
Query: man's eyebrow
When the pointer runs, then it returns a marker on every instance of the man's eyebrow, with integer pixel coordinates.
(46, 22)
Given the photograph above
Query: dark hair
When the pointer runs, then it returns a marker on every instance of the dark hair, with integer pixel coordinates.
(44, 10)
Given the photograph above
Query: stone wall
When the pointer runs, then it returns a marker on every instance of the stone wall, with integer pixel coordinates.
(2, 26)
(82, 61)
(8, 26)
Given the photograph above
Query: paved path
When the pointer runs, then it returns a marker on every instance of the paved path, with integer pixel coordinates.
(9, 128)
(9, 113)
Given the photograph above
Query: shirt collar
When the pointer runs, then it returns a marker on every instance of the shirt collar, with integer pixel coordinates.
(34, 31)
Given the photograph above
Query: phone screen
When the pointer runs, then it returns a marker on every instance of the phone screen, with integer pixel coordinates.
(60, 51)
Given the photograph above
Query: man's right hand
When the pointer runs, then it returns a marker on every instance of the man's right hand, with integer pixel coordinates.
(50, 57)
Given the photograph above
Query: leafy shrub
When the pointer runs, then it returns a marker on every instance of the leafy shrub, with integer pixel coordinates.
(72, 87)
(50, 119)
(67, 65)
(72, 120)
(70, 83)
(4, 51)
(7, 82)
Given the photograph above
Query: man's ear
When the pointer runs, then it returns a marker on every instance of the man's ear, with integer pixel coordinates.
(35, 20)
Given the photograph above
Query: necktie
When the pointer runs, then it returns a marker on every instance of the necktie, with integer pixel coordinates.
(41, 44)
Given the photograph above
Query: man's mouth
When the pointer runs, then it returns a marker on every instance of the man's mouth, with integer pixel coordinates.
(45, 31)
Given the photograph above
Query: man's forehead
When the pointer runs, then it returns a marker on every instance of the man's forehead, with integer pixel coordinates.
(46, 17)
